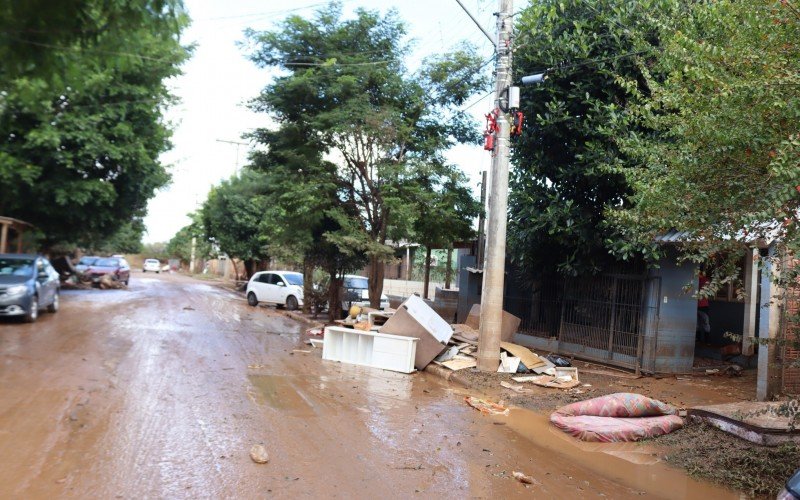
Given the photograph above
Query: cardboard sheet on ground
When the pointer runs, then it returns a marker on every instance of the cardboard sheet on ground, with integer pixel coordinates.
(460, 362)
(527, 357)
(508, 364)
(509, 324)
(617, 417)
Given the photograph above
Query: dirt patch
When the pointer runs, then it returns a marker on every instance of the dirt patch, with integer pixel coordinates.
(706, 452)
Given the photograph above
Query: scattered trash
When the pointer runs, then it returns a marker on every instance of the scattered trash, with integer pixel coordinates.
(508, 364)
(558, 360)
(259, 454)
(525, 355)
(460, 362)
(516, 388)
(188, 308)
(465, 332)
(712, 371)
(486, 406)
(617, 417)
(522, 478)
(448, 354)
(301, 351)
(316, 342)
(733, 371)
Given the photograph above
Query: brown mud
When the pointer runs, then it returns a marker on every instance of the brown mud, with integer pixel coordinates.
(161, 390)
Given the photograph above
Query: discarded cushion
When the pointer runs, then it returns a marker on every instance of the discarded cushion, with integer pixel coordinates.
(617, 417)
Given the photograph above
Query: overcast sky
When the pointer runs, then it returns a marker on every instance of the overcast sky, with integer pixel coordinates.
(218, 80)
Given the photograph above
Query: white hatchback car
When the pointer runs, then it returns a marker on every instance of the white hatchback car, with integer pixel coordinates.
(152, 265)
(276, 287)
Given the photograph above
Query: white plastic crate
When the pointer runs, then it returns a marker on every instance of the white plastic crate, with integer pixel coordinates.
(377, 350)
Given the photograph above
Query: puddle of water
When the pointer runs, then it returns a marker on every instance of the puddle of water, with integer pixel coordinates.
(281, 394)
(632, 464)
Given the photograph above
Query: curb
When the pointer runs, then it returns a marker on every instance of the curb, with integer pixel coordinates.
(448, 375)
(299, 317)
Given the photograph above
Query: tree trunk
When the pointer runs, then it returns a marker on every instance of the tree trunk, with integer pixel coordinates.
(308, 285)
(427, 271)
(334, 304)
(249, 267)
(448, 272)
(376, 273)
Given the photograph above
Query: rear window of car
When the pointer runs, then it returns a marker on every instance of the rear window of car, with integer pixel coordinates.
(356, 282)
(151, 261)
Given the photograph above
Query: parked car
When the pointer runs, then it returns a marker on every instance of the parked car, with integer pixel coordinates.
(117, 267)
(152, 265)
(356, 293)
(84, 263)
(27, 283)
(276, 287)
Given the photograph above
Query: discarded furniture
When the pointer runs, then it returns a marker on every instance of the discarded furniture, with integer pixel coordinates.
(414, 318)
(617, 417)
(368, 348)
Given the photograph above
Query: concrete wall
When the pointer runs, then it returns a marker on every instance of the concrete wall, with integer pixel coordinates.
(669, 348)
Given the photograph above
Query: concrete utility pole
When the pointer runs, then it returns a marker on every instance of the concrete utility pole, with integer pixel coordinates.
(494, 270)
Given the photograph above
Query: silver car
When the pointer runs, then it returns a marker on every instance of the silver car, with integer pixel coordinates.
(27, 284)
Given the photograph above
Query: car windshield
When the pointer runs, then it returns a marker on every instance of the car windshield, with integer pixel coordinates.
(106, 262)
(87, 261)
(294, 278)
(16, 267)
(357, 282)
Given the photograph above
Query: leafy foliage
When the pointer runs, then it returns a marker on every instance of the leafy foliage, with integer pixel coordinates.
(722, 161)
(561, 182)
(80, 139)
(232, 215)
(346, 90)
(180, 245)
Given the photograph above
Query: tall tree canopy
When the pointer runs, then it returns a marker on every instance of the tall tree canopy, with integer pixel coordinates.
(723, 157)
(345, 86)
(562, 178)
(80, 138)
(233, 214)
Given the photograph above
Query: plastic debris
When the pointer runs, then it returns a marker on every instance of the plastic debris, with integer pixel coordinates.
(486, 406)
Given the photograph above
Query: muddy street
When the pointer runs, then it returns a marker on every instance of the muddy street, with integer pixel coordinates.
(162, 389)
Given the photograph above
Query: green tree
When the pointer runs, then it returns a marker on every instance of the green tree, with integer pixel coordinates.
(563, 178)
(80, 144)
(232, 217)
(180, 245)
(345, 86)
(446, 209)
(723, 155)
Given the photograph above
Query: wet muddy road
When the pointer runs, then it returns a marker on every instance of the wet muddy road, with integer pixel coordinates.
(159, 391)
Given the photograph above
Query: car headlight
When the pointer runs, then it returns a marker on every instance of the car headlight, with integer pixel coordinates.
(17, 290)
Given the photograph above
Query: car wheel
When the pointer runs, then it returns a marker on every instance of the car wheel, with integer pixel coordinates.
(33, 311)
(158, 272)
(53, 308)
(291, 303)
(252, 299)
(144, 271)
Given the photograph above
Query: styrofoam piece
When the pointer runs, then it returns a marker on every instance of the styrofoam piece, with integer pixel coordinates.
(368, 348)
